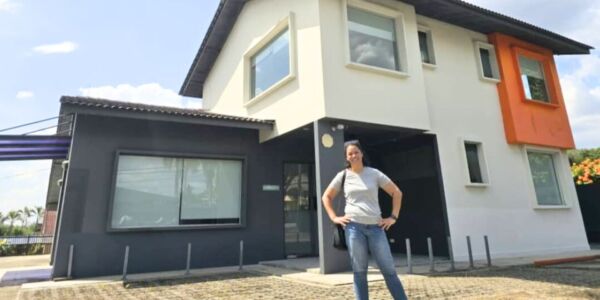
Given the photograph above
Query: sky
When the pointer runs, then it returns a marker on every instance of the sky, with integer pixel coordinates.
(140, 50)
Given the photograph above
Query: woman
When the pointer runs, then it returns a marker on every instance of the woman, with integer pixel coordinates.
(362, 219)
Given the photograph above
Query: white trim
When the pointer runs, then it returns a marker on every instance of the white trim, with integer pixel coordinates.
(559, 169)
(483, 164)
(285, 23)
(493, 62)
(400, 37)
(430, 46)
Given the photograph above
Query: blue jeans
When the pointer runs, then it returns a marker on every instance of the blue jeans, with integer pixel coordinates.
(362, 239)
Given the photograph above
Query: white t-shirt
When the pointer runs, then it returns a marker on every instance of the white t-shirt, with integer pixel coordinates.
(361, 194)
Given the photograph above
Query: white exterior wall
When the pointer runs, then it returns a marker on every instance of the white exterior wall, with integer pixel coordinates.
(369, 96)
(296, 103)
(463, 106)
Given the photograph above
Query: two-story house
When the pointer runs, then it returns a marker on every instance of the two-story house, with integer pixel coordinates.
(459, 105)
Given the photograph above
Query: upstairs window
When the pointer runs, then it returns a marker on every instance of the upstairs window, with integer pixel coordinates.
(271, 64)
(372, 39)
(487, 61)
(426, 46)
(533, 79)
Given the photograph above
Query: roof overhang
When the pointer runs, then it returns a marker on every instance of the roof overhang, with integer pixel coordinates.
(455, 12)
(111, 108)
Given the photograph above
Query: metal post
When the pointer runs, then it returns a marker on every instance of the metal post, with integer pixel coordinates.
(125, 262)
(408, 257)
(241, 255)
(430, 250)
(189, 258)
(28, 247)
(70, 265)
(471, 265)
(487, 250)
(451, 254)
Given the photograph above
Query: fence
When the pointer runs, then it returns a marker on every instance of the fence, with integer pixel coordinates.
(589, 201)
(27, 239)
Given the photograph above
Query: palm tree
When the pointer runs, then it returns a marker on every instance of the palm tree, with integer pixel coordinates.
(12, 217)
(26, 213)
(39, 212)
(3, 218)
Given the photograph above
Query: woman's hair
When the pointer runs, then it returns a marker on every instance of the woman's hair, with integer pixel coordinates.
(356, 144)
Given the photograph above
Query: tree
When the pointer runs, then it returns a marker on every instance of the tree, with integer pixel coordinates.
(12, 217)
(577, 156)
(3, 218)
(39, 213)
(26, 213)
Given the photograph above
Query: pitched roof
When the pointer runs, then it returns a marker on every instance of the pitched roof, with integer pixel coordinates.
(164, 110)
(455, 12)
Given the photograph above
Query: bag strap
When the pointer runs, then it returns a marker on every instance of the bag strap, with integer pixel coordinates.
(342, 190)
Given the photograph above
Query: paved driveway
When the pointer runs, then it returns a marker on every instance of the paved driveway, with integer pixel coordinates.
(579, 281)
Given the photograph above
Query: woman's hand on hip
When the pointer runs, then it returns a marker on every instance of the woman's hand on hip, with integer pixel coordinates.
(343, 220)
(386, 223)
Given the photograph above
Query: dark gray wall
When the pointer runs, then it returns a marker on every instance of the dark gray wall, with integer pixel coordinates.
(88, 192)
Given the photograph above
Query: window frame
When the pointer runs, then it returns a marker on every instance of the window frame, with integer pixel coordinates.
(430, 46)
(493, 62)
(546, 65)
(483, 164)
(112, 191)
(399, 27)
(274, 32)
(558, 159)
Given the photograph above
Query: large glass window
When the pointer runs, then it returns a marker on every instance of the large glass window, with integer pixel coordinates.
(271, 64)
(544, 176)
(532, 76)
(372, 39)
(156, 191)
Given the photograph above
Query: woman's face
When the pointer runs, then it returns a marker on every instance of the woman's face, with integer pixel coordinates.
(353, 155)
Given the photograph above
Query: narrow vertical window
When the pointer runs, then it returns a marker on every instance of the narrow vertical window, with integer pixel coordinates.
(487, 61)
(473, 162)
(372, 39)
(426, 47)
(534, 82)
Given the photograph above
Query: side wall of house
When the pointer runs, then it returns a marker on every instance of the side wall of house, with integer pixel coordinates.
(299, 101)
(87, 198)
(465, 107)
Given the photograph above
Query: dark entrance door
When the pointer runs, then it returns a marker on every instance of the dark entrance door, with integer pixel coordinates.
(300, 210)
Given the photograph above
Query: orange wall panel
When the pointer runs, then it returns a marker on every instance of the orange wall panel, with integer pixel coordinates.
(529, 121)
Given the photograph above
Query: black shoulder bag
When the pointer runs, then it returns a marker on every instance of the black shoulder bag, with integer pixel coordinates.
(339, 235)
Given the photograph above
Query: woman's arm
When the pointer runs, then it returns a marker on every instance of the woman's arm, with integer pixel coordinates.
(328, 197)
(392, 189)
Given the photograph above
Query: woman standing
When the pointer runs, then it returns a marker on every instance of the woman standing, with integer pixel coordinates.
(362, 219)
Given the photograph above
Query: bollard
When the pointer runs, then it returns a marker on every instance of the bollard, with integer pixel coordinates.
(450, 254)
(471, 265)
(70, 266)
(189, 259)
(430, 250)
(125, 262)
(241, 255)
(408, 257)
(487, 251)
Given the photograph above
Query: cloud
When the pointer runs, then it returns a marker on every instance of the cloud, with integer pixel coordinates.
(149, 93)
(24, 94)
(64, 47)
(8, 6)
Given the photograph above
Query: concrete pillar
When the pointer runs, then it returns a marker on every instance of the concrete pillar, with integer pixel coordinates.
(329, 160)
